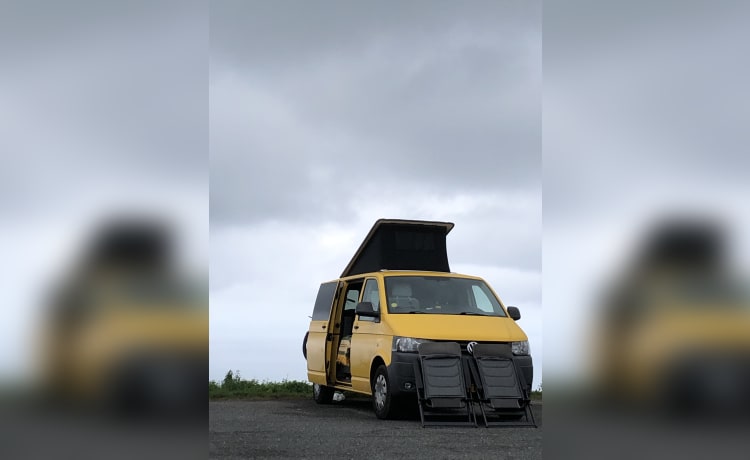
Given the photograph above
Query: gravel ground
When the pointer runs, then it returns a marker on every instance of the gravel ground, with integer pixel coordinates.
(349, 429)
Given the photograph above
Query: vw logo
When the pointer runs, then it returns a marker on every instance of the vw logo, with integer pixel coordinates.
(470, 347)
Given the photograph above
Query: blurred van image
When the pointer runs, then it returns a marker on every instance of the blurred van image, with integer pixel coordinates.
(125, 332)
(674, 330)
(396, 294)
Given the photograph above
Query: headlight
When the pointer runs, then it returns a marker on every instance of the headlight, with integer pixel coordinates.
(520, 348)
(407, 344)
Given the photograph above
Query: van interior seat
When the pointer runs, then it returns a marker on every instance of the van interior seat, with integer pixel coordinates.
(401, 294)
(401, 290)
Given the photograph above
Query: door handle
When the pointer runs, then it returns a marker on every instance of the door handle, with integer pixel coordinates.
(323, 326)
(356, 327)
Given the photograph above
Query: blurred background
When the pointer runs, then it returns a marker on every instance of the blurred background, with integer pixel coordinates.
(646, 254)
(104, 225)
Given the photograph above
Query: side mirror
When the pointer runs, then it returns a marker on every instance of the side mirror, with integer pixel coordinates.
(365, 309)
(514, 313)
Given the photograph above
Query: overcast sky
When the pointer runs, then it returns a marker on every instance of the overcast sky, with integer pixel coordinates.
(327, 116)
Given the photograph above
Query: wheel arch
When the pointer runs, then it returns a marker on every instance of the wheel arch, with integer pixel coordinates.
(376, 362)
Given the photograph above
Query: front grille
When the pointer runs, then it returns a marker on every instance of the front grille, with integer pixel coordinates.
(463, 344)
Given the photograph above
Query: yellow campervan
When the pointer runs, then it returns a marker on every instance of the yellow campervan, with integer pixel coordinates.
(125, 331)
(396, 293)
(674, 332)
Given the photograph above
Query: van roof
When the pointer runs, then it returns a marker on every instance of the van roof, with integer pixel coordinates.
(399, 273)
(396, 244)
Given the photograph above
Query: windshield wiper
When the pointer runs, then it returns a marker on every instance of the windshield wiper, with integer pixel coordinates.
(469, 313)
(415, 311)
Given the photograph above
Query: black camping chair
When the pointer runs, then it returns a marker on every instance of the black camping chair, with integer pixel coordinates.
(442, 388)
(500, 387)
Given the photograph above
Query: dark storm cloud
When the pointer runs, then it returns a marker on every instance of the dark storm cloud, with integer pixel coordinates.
(314, 107)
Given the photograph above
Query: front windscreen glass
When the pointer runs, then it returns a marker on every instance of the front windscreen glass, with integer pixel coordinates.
(440, 295)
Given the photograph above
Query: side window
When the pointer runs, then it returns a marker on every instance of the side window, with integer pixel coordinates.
(372, 295)
(323, 302)
(352, 296)
(482, 301)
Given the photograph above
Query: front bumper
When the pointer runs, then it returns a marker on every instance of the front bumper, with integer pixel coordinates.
(401, 372)
(403, 381)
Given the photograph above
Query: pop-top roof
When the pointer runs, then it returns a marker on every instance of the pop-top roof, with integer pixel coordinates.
(395, 244)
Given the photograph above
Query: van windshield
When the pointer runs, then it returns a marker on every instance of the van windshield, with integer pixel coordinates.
(440, 295)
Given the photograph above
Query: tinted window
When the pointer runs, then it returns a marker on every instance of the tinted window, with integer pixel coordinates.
(440, 295)
(323, 302)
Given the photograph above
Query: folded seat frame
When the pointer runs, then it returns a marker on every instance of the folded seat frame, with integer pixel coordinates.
(442, 386)
(449, 384)
(501, 389)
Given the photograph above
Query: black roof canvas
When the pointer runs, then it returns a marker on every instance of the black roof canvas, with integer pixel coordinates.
(395, 244)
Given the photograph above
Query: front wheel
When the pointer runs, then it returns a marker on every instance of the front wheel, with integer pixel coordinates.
(382, 395)
(322, 394)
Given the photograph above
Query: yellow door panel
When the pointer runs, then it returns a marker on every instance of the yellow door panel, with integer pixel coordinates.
(367, 343)
(318, 349)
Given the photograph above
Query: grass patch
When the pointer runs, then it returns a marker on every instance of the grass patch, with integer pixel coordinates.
(235, 387)
(536, 395)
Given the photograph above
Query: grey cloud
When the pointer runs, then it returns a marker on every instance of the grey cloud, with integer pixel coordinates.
(306, 106)
(288, 33)
(500, 238)
(643, 97)
(106, 91)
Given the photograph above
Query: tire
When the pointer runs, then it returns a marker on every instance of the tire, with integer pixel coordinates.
(322, 394)
(383, 402)
(304, 345)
